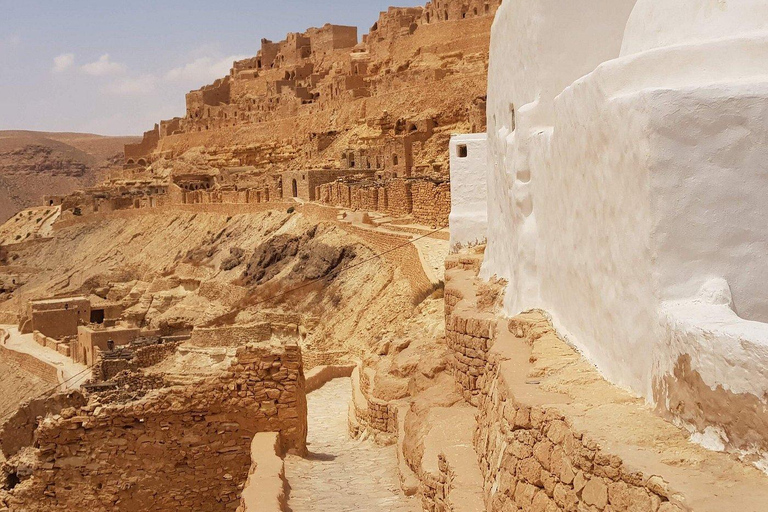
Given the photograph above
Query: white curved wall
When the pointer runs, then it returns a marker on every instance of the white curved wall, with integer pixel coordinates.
(657, 24)
(625, 184)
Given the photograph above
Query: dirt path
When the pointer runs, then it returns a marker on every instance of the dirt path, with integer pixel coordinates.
(342, 474)
(74, 374)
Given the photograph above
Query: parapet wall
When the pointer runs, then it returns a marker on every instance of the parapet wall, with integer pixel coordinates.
(553, 435)
(184, 448)
(32, 365)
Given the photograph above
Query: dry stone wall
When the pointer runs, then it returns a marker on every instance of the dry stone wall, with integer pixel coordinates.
(18, 430)
(532, 458)
(182, 448)
(470, 337)
(143, 357)
(371, 415)
(429, 203)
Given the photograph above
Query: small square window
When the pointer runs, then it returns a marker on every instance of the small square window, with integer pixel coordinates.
(461, 151)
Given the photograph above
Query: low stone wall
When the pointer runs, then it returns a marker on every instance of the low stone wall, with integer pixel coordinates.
(532, 458)
(234, 336)
(371, 415)
(468, 332)
(61, 347)
(32, 365)
(315, 359)
(265, 488)
(428, 202)
(143, 357)
(470, 337)
(180, 448)
(322, 375)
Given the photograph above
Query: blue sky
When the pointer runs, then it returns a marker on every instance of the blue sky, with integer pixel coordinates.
(116, 68)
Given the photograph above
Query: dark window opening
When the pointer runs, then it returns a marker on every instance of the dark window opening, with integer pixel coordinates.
(97, 316)
(295, 188)
(461, 151)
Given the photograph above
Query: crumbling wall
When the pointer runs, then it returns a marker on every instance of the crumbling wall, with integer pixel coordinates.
(143, 357)
(18, 430)
(177, 449)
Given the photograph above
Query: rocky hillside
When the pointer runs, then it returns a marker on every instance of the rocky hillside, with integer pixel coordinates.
(36, 164)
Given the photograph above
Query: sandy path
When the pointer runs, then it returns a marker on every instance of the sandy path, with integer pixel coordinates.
(72, 373)
(342, 474)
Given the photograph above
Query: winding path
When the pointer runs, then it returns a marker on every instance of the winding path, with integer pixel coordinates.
(342, 474)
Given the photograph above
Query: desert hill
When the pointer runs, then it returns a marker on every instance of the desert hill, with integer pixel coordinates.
(36, 164)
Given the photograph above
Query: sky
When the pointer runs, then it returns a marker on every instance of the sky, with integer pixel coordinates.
(116, 68)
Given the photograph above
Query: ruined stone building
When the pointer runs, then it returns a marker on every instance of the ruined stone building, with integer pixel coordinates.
(298, 103)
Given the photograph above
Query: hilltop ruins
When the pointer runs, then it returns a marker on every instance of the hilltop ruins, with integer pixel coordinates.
(333, 285)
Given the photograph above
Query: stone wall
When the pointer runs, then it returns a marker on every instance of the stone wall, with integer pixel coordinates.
(371, 415)
(428, 202)
(532, 458)
(468, 331)
(143, 357)
(177, 449)
(431, 203)
(32, 365)
(470, 337)
(265, 488)
(18, 430)
(234, 336)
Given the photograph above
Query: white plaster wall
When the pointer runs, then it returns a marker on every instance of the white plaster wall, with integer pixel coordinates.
(711, 213)
(537, 49)
(469, 200)
(630, 182)
(656, 24)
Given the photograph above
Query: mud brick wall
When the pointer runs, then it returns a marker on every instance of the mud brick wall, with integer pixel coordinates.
(533, 459)
(177, 449)
(431, 203)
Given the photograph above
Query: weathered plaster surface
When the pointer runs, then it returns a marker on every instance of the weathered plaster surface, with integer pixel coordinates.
(469, 213)
(626, 191)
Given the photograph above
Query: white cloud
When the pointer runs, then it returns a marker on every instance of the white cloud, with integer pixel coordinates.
(104, 66)
(202, 70)
(144, 84)
(63, 62)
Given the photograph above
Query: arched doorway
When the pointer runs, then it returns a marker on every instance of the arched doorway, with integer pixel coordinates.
(295, 188)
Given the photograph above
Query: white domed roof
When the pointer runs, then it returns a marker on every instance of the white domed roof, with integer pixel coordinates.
(659, 23)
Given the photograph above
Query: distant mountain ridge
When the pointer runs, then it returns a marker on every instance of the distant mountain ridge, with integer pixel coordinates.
(36, 164)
